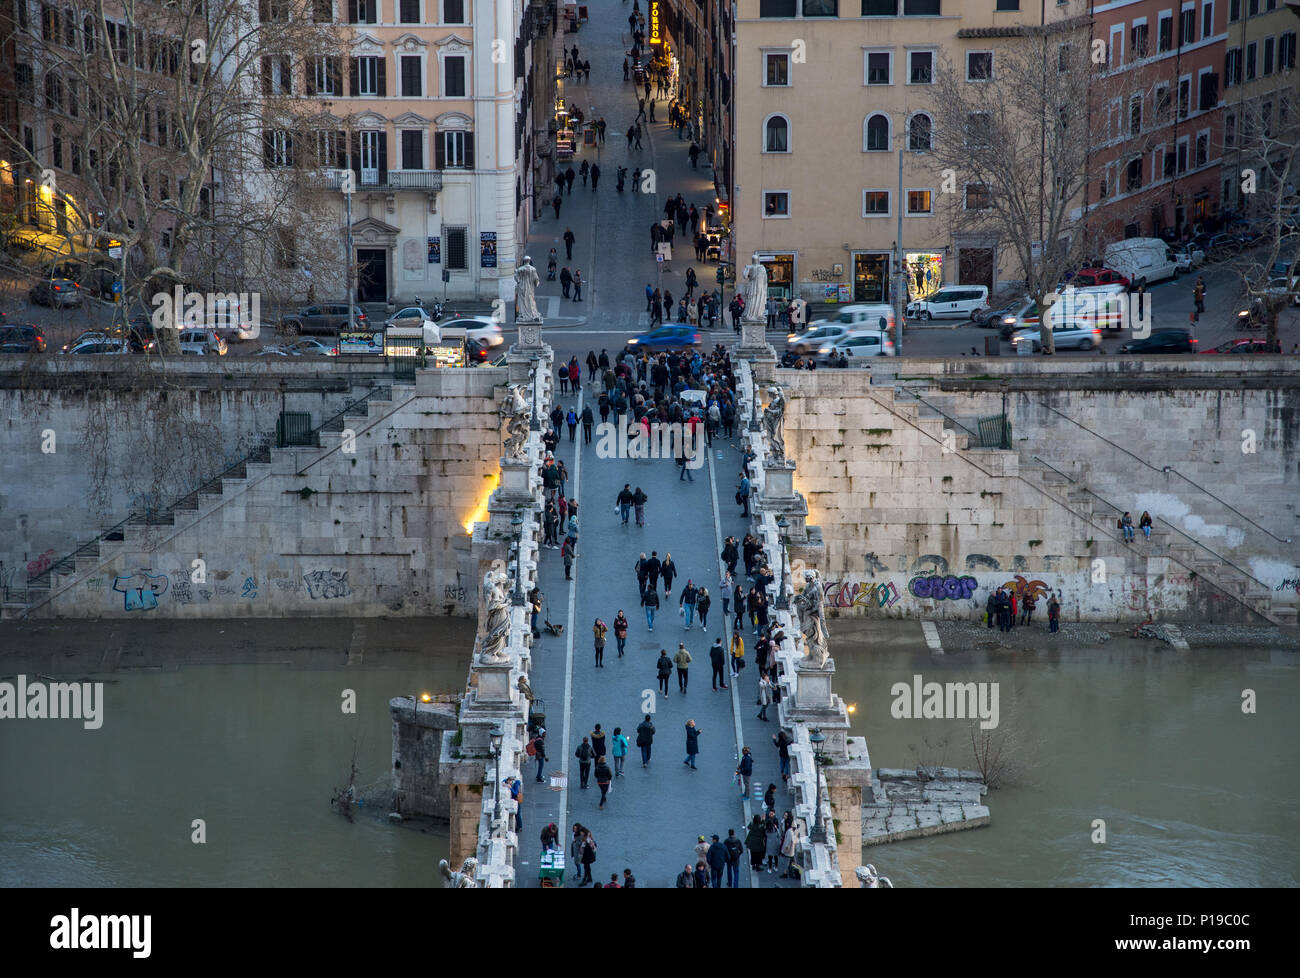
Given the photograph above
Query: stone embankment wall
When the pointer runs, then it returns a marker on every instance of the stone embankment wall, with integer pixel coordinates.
(916, 521)
(374, 521)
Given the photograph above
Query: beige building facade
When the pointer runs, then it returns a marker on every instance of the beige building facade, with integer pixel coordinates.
(827, 94)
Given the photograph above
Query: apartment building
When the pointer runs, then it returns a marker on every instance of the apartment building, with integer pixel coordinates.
(1159, 126)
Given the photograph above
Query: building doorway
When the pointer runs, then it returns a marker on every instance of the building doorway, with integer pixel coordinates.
(870, 271)
(975, 267)
(372, 275)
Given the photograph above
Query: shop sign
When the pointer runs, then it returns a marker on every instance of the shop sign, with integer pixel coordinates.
(656, 25)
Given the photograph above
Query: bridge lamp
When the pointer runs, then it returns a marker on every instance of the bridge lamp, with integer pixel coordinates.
(495, 736)
(818, 833)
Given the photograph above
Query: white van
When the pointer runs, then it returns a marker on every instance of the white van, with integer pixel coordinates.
(867, 316)
(1142, 260)
(951, 302)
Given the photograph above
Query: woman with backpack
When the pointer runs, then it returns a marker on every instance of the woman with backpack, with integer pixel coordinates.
(620, 631)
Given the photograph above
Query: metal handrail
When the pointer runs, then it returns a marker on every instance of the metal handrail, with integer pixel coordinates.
(1165, 470)
(945, 415)
(1053, 468)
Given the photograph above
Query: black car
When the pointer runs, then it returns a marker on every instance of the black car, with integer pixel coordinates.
(27, 338)
(1162, 341)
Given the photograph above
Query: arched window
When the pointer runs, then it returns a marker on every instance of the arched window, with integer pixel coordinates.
(920, 133)
(776, 134)
(875, 137)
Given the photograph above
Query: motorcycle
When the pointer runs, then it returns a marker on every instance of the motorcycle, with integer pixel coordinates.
(1253, 318)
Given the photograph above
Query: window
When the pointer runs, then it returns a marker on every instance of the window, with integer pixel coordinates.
(977, 197)
(1133, 175)
(979, 65)
(53, 92)
(453, 76)
(977, 129)
(879, 8)
(1135, 116)
(274, 11)
(1268, 57)
(1182, 154)
(919, 202)
(776, 203)
(277, 75)
(1008, 5)
(876, 138)
(1207, 19)
(1253, 7)
(277, 148)
(454, 150)
(776, 135)
(453, 11)
(776, 8)
(1165, 37)
(920, 67)
(921, 8)
(76, 159)
(1184, 96)
(1251, 50)
(778, 69)
(1202, 147)
(322, 11)
(1063, 58)
(1116, 50)
(362, 11)
(24, 82)
(325, 76)
(821, 8)
(1234, 11)
(368, 77)
(56, 148)
(457, 246)
(1138, 41)
(1167, 162)
(1208, 96)
(412, 76)
(1163, 105)
(408, 11)
(412, 149)
(1286, 52)
(1229, 129)
(1232, 68)
(875, 203)
(880, 68)
(920, 133)
(1266, 119)
(1187, 26)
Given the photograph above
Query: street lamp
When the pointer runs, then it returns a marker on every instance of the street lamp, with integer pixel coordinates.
(535, 424)
(496, 735)
(818, 833)
(517, 596)
(782, 602)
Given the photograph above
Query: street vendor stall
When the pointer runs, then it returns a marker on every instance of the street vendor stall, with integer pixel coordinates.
(551, 872)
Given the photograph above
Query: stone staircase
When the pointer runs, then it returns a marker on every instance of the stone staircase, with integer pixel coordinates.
(944, 411)
(150, 530)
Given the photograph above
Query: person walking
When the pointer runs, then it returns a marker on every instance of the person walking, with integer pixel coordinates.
(702, 604)
(588, 855)
(652, 570)
(597, 741)
(620, 745)
(686, 603)
(718, 659)
(682, 660)
(566, 281)
(645, 733)
(583, 171)
(624, 502)
(625, 75)
(668, 570)
(764, 695)
(577, 285)
(717, 860)
(737, 654)
(1198, 295)
(539, 752)
(789, 845)
(620, 632)
(603, 778)
(588, 419)
(738, 599)
(552, 262)
(638, 505)
(735, 849)
(567, 554)
(692, 744)
(569, 239)
(664, 669)
(730, 555)
(745, 770)
(783, 741)
(595, 175)
(650, 601)
(742, 495)
(569, 177)
(556, 201)
(1053, 614)
(571, 419)
(756, 843)
(599, 630)
(686, 878)
(585, 756)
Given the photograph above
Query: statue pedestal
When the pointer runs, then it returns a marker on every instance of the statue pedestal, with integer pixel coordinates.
(814, 688)
(515, 488)
(753, 340)
(530, 335)
(519, 361)
(778, 480)
(494, 687)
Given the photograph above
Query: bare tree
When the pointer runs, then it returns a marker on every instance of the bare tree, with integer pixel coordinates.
(1015, 147)
(1003, 754)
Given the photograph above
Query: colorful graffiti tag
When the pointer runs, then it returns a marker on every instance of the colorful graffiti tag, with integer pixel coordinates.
(942, 587)
(140, 592)
(855, 594)
(1022, 588)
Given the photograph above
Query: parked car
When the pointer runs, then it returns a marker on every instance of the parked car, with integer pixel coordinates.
(1088, 277)
(309, 346)
(1066, 335)
(858, 344)
(1162, 341)
(670, 337)
(323, 318)
(1284, 276)
(1241, 346)
(25, 338)
(84, 336)
(201, 342)
(814, 338)
(992, 316)
(102, 345)
(951, 302)
(481, 329)
(1186, 256)
(409, 317)
(1141, 260)
(1221, 245)
(58, 289)
(273, 350)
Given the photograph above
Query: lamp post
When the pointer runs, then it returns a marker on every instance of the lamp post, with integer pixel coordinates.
(535, 424)
(818, 833)
(782, 602)
(496, 735)
(517, 595)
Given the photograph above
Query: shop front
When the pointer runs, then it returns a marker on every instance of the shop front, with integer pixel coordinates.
(780, 273)
(924, 274)
(871, 276)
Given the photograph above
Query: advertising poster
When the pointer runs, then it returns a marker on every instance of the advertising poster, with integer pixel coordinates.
(360, 342)
(487, 249)
(435, 251)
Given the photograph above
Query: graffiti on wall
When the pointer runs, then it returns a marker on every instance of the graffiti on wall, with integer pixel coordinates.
(41, 564)
(942, 587)
(1022, 588)
(453, 592)
(141, 591)
(854, 594)
(327, 584)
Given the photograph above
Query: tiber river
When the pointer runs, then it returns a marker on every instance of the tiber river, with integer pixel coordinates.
(1193, 792)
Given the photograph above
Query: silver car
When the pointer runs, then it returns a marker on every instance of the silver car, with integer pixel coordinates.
(1077, 335)
(817, 336)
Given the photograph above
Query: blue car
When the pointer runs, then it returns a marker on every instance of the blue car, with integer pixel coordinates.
(670, 337)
